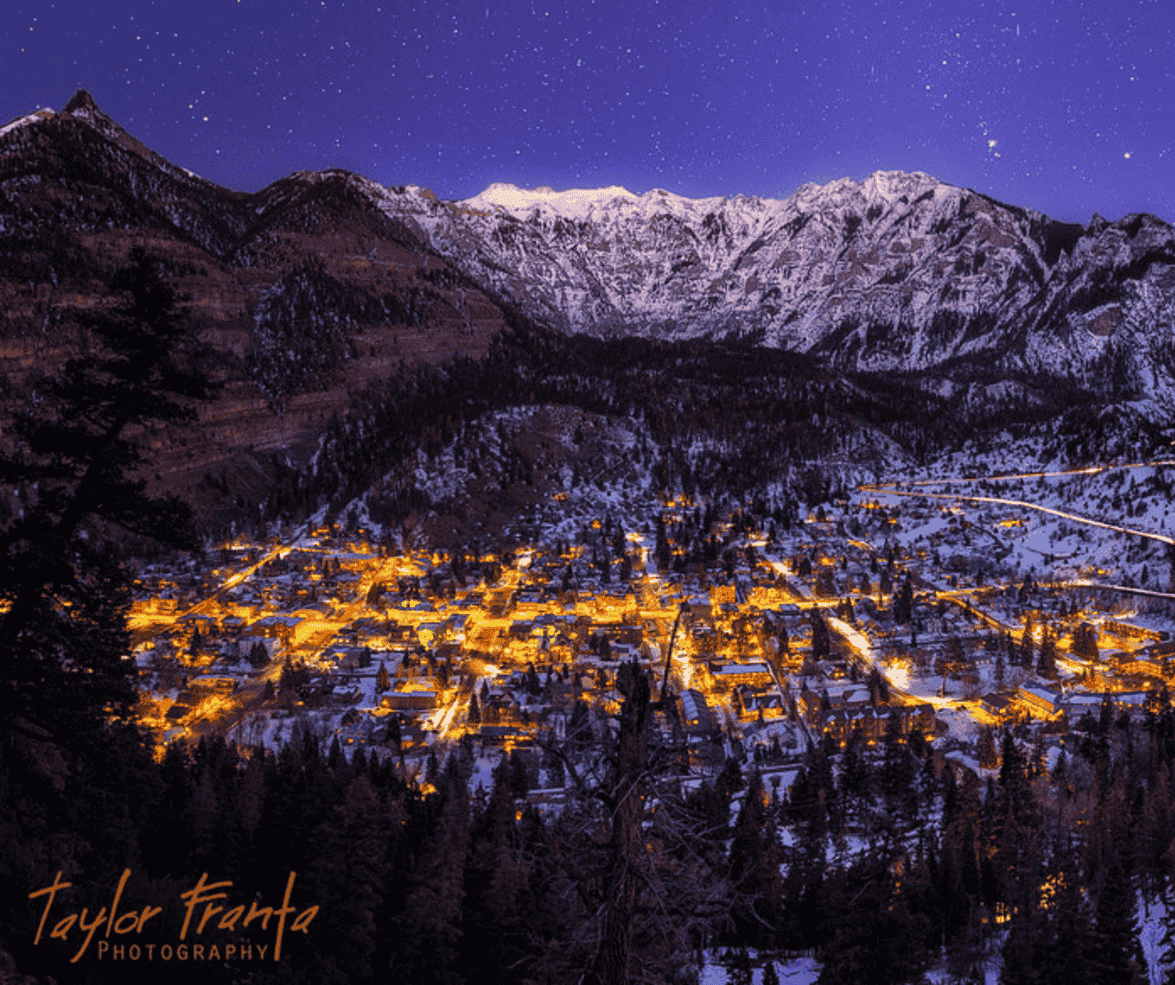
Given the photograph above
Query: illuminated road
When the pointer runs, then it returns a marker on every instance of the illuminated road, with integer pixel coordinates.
(1091, 470)
(1072, 517)
(860, 645)
(233, 580)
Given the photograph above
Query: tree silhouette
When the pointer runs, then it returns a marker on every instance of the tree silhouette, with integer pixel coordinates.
(74, 459)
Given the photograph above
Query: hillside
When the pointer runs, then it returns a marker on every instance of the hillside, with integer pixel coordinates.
(925, 312)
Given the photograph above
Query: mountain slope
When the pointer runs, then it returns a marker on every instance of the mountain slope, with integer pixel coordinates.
(898, 272)
(306, 289)
(326, 282)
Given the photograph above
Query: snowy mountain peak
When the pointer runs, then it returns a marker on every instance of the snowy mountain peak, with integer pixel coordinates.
(81, 103)
(899, 271)
(892, 185)
(82, 107)
(24, 121)
(574, 203)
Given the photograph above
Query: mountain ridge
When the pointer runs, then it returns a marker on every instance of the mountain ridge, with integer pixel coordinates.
(326, 281)
(890, 255)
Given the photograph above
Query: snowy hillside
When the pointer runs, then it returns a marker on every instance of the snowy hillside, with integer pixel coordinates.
(898, 272)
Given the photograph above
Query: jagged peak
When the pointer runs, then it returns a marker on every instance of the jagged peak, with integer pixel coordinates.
(81, 102)
(82, 107)
(880, 186)
(307, 177)
(580, 203)
(894, 184)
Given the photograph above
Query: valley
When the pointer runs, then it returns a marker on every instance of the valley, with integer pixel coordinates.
(590, 579)
(957, 612)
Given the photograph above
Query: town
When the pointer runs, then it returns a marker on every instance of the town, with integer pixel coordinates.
(909, 607)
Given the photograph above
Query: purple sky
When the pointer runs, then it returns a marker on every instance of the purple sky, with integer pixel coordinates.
(1067, 107)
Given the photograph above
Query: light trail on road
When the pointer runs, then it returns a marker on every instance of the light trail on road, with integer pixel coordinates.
(1042, 509)
(861, 645)
(1090, 470)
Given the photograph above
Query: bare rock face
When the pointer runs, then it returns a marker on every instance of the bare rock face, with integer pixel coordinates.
(306, 289)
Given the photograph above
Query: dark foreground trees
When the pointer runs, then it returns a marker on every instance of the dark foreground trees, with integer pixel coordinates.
(71, 464)
(76, 783)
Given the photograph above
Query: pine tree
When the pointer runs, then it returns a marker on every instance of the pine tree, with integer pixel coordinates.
(1116, 954)
(498, 902)
(898, 769)
(754, 868)
(903, 603)
(1027, 643)
(988, 758)
(429, 926)
(346, 882)
(1046, 665)
(856, 777)
(821, 645)
(611, 961)
(1067, 939)
(63, 592)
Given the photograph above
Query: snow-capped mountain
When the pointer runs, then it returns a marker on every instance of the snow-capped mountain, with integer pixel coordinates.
(897, 272)
(325, 281)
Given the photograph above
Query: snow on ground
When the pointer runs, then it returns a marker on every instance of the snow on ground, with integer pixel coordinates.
(483, 770)
(991, 974)
(796, 971)
(1150, 934)
(23, 121)
(1133, 497)
(960, 724)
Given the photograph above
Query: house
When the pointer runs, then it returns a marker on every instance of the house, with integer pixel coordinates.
(428, 633)
(1130, 631)
(1077, 704)
(997, 705)
(280, 628)
(736, 673)
(503, 735)
(697, 716)
(246, 643)
(345, 694)
(221, 685)
(407, 698)
(456, 625)
(521, 629)
(1041, 700)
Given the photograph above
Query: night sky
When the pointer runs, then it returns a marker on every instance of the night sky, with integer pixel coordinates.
(1067, 107)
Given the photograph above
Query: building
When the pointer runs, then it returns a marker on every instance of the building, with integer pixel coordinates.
(1041, 700)
(735, 674)
(696, 715)
(404, 698)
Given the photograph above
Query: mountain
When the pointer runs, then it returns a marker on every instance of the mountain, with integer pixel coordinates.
(919, 297)
(899, 272)
(307, 290)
